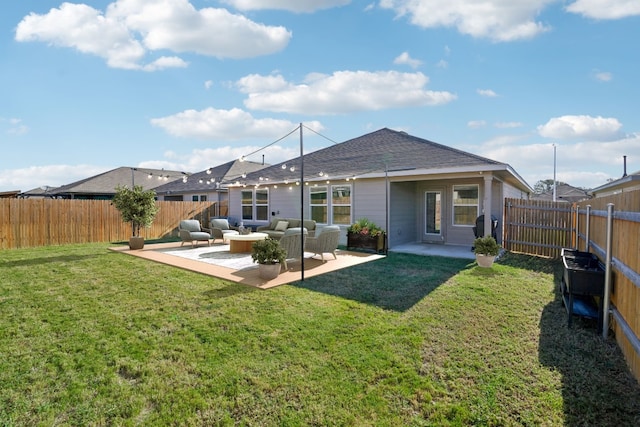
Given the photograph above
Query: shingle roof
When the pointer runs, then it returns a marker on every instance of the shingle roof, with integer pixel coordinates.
(105, 183)
(373, 152)
(206, 180)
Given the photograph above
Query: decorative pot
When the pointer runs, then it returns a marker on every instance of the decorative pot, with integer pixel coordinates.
(269, 271)
(485, 261)
(136, 243)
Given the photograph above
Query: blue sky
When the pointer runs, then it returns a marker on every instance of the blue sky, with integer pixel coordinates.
(189, 84)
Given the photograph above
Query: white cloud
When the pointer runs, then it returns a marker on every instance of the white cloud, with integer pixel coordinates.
(442, 64)
(14, 126)
(234, 124)
(208, 84)
(405, 59)
(341, 92)
(603, 76)
(26, 179)
(507, 125)
(290, 5)
(605, 9)
(583, 127)
(200, 159)
(534, 160)
(486, 93)
(132, 30)
(498, 20)
(476, 124)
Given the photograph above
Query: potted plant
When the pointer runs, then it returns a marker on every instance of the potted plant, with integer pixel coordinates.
(486, 249)
(270, 256)
(137, 206)
(365, 234)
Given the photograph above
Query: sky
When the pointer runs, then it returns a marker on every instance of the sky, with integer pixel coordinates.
(543, 85)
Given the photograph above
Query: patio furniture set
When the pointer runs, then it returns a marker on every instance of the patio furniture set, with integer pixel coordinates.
(286, 231)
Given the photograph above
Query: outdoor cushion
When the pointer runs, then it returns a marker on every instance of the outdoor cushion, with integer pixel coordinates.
(190, 225)
(282, 226)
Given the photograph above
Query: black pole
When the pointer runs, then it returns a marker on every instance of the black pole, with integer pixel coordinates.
(301, 208)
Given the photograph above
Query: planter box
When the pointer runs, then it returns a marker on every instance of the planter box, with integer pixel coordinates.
(365, 242)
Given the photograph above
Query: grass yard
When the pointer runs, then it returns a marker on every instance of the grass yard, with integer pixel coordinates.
(93, 337)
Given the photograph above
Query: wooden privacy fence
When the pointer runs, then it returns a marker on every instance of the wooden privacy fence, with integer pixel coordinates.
(42, 222)
(538, 227)
(543, 228)
(625, 263)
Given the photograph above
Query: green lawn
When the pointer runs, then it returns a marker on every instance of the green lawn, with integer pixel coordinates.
(93, 337)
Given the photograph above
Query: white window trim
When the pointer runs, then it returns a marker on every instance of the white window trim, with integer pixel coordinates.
(453, 205)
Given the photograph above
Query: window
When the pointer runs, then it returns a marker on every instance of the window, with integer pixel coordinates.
(247, 204)
(341, 204)
(465, 204)
(262, 204)
(202, 198)
(319, 204)
(255, 204)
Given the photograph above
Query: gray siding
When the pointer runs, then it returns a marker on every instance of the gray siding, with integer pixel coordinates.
(404, 213)
(369, 201)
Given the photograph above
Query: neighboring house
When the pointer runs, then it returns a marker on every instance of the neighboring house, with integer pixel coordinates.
(103, 186)
(200, 186)
(415, 189)
(208, 185)
(38, 192)
(564, 193)
(9, 194)
(626, 183)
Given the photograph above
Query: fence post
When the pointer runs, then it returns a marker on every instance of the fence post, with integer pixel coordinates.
(607, 273)
(586, 231)
(577, 245)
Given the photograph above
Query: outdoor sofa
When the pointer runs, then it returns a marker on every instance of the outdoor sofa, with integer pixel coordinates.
(277, 227)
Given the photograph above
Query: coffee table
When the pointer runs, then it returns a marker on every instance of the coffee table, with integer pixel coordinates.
(242, 242)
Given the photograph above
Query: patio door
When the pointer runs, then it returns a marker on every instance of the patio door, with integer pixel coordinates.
(433, 216)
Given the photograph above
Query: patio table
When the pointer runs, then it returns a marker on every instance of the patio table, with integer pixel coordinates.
(242, 242)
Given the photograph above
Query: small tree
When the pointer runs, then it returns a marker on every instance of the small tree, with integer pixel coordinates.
(136, 206)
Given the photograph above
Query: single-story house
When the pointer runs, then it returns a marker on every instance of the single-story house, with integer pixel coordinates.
(564, 193)
(208, 185)
(627, 183)
(415, 189)
(103, 186)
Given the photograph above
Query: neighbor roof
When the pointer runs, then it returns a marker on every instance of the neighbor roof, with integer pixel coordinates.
(627, 182)
(386, 150)
(564, 192)
(106, 183)
(206, 180)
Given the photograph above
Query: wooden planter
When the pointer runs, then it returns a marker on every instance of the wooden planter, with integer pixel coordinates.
(365, 242)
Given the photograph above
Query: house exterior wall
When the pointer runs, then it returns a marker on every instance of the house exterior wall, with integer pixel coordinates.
(406, 221)
(404, 213)
(369, 201)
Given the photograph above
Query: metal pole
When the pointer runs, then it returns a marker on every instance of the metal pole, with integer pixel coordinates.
(554, 172)
(386, 210)
(607, 273)
(301, 208)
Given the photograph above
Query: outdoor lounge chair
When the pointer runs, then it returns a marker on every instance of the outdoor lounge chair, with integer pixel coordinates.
(220, 227)
(292, 243)
(325, 242)
(190, 231)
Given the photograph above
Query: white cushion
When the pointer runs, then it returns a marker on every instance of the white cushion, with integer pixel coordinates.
(282, 226)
